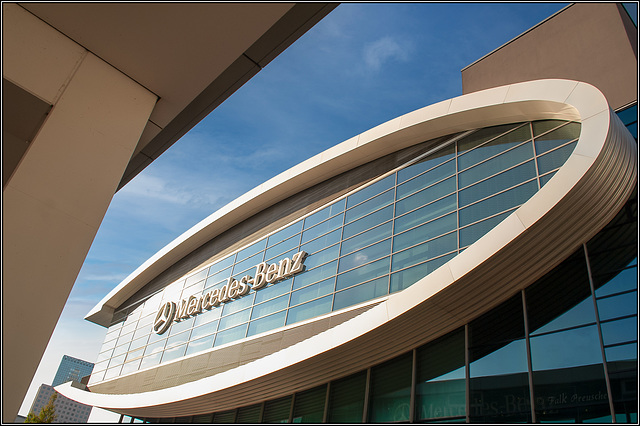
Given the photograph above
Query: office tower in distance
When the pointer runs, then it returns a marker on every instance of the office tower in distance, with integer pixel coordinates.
(67, 410)
(72, 369)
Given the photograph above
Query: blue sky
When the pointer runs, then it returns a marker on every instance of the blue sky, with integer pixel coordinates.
(362, 65)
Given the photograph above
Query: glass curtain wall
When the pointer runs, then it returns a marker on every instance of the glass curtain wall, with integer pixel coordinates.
(377, 240)
(562, 350)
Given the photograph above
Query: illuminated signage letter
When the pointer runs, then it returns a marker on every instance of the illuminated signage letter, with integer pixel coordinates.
(260, 280)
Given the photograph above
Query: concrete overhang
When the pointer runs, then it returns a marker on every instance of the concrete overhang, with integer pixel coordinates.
(193, 56)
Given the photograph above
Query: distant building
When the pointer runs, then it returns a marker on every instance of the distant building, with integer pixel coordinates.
(72, 369)
(20, 419)
(67, 410)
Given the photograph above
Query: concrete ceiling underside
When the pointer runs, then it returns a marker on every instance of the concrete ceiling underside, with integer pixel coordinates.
(192, 56)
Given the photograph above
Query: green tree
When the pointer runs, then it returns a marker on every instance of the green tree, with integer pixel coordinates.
(47, 414)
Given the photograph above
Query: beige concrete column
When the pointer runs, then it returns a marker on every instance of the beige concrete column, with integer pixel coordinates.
(56, 199)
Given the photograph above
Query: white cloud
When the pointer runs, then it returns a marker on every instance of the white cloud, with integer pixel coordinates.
(383, 50)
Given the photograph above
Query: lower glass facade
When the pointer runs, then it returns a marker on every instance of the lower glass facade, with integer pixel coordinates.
(562, 350)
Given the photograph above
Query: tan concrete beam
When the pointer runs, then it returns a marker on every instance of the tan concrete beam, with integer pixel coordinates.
(60, 191)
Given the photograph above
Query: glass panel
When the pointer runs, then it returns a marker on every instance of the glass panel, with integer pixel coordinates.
(173, 353)
(364, 255)
(499, 381)
(286, 245)
(322, 228)
(267, 323)
(427, 163)
(230, 417)
(313, 291)
(473, 233)
(249, 414)
(363, 273)
(235, 319)
(323, 214)
(285, 233)
(543, 126)
(391, 390)
(425, 232)
(248, 263)
(441, 388)
(322, 242)
(230, 335)
(201, 275)
(134, 354)
(623, 281)
(425, 251)
(366, 238)
(222, 264)
(498, 203)
(369, 206)
(309, 405)
(218, 277)
(205, 329)
(361, 293)
(426, 196)
(321, 257)
(138, 343)
(368, 222)
(370, 191)
(278, 257)
(150, 360)
(179, 327)
(277, 411)
(497, 164)
(253, 248)
(546, 178)
(200, 344)
(554, 159)
(193, 290)
(405, 278)
(238, 304)
(620, 331)
(346, 399)
(270, 307)
(314, 275)
(556, 138)
(494, 147)
(617, 306)
(178, 339)
(497, 183)
(309, 310)
(274, 290)
(423, 214)
(427, 179)
(482, 135)
(207, 316)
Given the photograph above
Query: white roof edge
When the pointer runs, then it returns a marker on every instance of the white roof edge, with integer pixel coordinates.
(326, 164)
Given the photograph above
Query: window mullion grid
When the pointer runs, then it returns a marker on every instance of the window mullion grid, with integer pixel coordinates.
(457, 197)
(535, 154)
(604, 356)
(528, 354)
(367, 388)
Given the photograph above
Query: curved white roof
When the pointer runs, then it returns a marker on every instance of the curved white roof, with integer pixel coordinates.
(583, 196)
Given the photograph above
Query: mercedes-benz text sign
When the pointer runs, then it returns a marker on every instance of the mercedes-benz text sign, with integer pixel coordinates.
(233, 289)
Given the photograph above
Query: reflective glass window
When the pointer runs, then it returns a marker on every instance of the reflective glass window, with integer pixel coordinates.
(322, 257)
(367, 222)
(426, 179)
(429, 162)
(270, 307)
(440, 378)
(426, 213)
(494, 165)
(425, 232)
(173, 353)
(498, 203)
(322, 228)
(494, 147)
(248, 263)
(323, 214)
(346, 399)
(285, 233)
(403, 279)
(361, 293)
(200, 344)
(267, 323)
(309, 310)
(234, 319)
(204, 330)
(218, 277)
(554, 159)
(500, 182)
(230, 335)
(282, 247)
(314, 275)
(391, 390)
(369, 206)
(249, 414)
(480, 136)
(312, 291)
(424, 251)
(322, 242)
(198, 276)
(222, 264)
(252, 249)
(426, 196)
(472, 233)
(309, 405)
(363, 273)
(277, 411)
(364, 255)
(557, 138)
(371, 190)
(274, 290)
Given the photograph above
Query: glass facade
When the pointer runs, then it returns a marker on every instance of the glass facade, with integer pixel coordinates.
(562, 350)
(376, 240)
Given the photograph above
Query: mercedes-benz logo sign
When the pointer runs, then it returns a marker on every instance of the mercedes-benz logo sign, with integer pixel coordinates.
(164, 318)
